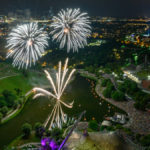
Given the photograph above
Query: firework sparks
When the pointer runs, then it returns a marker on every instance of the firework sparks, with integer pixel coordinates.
(71, 29)
(26, 43)
(62, 79)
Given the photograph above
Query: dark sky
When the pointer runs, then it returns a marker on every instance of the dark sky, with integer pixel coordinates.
(120, 8)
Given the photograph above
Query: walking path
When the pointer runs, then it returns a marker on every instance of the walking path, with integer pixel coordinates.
(139, 120)
(97, 141)
(8, 76)
(29, 145)
(10, 114)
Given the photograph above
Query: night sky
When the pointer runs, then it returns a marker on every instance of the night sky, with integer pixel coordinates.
(116, 8)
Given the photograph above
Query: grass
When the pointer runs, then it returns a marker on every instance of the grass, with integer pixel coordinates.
(88, 76)
(15, 114)
(7, 70)
(20, 141)
(143, 74)
(18, 81)
(21, 82)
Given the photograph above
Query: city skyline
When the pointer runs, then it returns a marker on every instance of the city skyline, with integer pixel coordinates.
(114, 8)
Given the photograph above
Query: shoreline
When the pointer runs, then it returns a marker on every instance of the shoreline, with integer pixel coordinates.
(13, 113)
(139, 120)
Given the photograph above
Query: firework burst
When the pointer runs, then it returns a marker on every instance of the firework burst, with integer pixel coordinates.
(62, 79)
(26, 43)
(71, 29)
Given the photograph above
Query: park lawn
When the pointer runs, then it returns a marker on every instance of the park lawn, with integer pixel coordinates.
(7, 70)
(20, 141)
(143, 74)
(18, 81)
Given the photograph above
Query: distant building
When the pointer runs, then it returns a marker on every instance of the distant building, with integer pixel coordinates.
(119, 118)
(3, 18)
(130, 73)
(146, 84)
(106, 123)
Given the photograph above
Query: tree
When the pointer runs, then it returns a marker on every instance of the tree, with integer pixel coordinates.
(9, 97)
(93, 125)
(18, 91)
(145, 140)
(104, 82)
(107, 92)
(122, 88)
(102, 128)
(26, 129)
(20, 101)
(39, 129)
(2, 101)
(139, 105)
(138, 136)
(15, 105)
(1, 116)
(90, 69)
(134, 87)
(110, 128)
(118, 96)
(48, 132)
(118, 126)
(56, 133)
(4, 110)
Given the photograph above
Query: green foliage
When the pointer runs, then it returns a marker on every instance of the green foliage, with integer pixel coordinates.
(37, 125)
(138, 136)
(148, 106)
(142, 99)
(39, 129)
(48, 132)
(133, 87)
(107, 92)
(90, 69)
(18, 91)
(9, 97)
(56, 133)
(93, 125)
(20, 101)
(104, 82)
(110, 85)
(26, 130)
(128, 131)
(145, 140)
(128, 86)
(118, 96)
(122, 88)
(139, 95)
(4, 110)
(118, 126)
(2, 101)
(102, 128)
(139, 105)
(1, 116)
(15, 105)
(110, 128)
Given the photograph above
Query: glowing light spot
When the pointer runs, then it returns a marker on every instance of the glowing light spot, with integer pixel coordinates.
(66, 30)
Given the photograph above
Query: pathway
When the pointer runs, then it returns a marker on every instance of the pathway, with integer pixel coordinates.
(9, 115)
(139, 120)
(8, 76)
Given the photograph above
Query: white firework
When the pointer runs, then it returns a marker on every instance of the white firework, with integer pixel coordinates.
(71, 29)
(26, 43)
(67, 121)
(62, 79)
